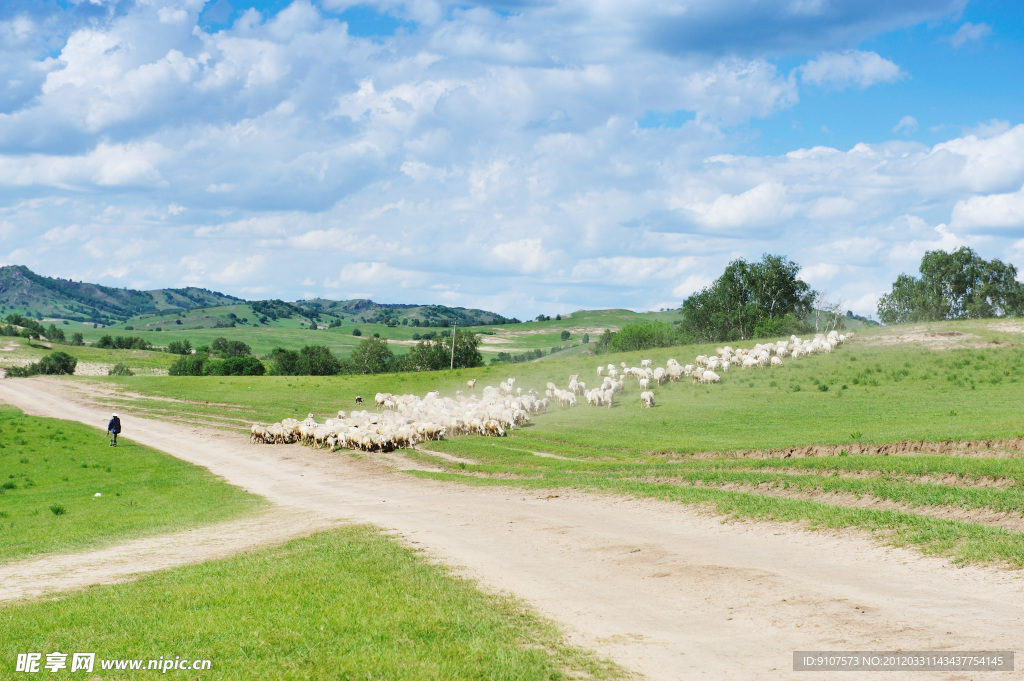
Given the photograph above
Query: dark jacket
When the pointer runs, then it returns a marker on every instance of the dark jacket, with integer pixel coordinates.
(114, 426)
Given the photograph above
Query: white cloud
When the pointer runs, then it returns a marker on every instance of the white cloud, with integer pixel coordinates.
(907, 125)
(762, 205)
(476, 157)
(969, 32)
(998, 211)
(853, 68)
(525, 255)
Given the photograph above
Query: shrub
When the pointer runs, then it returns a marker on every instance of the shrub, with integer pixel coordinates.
(179, 347)
(57, 509)
(191, 365)
(55, 363)
(240, 366)
(357, 332)
(120, 369)
(565, 335)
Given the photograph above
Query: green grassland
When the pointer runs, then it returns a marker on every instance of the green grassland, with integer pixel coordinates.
(349, 604)
(951, 382)
(866, 391)
(46, 464)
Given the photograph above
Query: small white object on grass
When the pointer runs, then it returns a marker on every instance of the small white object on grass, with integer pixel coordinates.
(98, 494)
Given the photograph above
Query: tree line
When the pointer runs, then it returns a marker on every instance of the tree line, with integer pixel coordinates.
(370, 356)
(766, 299)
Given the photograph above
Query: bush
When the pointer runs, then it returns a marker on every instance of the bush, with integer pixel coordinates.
(56, 363)
(565, 335)
(317, 360)
(120, 369)
(179, 347)
(285, 362)
(54, 334)
(191, 365)
(239, 366)
(123, 343)
(230, 348)
(77, 339)
(357, 332)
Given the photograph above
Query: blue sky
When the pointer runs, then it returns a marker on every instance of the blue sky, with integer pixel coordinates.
(524, 156)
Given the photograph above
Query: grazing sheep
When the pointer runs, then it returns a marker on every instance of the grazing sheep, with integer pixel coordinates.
(471, 384)
(259, 433)
(647, 399)
(359, 399)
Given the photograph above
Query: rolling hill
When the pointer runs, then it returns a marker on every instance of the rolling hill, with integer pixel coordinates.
(24, 292)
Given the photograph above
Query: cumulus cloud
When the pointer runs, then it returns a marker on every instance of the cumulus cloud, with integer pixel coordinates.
(485, 155)
(850, 69)
(993, 211)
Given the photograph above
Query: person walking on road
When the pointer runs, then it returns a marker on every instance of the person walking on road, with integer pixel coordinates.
(113, 428)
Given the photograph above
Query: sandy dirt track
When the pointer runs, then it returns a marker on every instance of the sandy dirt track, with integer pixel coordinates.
(667, 591)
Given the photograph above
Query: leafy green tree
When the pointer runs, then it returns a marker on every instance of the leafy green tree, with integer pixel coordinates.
(239, 366)
(747, 301)
(357, 332)
(57, 363)
(230, 348)
(317, 360)
(371, 356)
(565, 335)
(54, 334)
(435, 354)
(644, 336)
(77, 339)
(191, 365)
(179, 347)
(284, 362)
(586, 338)
(957, 285)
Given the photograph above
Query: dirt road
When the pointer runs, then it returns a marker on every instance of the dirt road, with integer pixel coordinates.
(665, 590)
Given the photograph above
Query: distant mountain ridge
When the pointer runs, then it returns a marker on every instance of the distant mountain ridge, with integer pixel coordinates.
(40, 296)
(25, 292)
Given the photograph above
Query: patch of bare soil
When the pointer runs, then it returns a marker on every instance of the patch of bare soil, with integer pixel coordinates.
(979, 482)
(935, 340)
(1011, 327)
(1013, 522)
(447, 457)
(44, 575)
(666, 590)
(1007, 447)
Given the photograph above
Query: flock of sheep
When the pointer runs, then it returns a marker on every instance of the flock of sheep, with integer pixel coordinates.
(402, 421)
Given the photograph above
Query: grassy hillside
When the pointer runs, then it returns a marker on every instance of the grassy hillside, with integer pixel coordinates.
(25, 292)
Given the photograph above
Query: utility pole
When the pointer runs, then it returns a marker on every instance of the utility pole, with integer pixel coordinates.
(455, 328)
